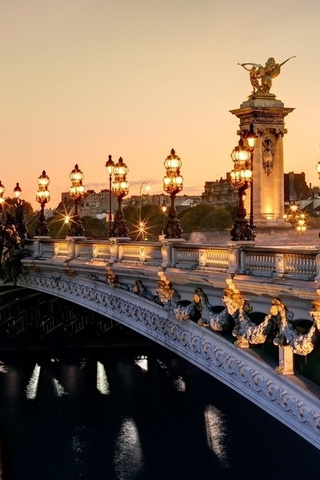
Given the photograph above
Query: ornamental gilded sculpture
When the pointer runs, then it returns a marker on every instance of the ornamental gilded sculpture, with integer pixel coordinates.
(261, 76)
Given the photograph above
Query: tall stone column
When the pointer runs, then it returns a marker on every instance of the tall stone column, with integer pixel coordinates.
(267, 114)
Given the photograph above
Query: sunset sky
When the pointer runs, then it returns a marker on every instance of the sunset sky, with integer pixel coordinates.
(82, 79)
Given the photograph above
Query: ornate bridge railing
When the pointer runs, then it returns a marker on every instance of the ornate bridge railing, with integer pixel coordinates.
(303, 264)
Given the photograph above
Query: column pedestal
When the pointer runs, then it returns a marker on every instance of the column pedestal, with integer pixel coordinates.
(267, 114)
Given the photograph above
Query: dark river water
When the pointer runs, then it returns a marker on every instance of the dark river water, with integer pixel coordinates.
(136, 415)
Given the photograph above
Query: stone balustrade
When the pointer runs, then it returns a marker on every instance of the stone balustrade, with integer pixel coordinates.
(296, 263)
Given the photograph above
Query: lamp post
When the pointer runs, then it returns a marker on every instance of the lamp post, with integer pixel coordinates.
(164, 209)
(19, 216)
(141, 222)
(2, 190)
(172, 184)
(241, 178)
(42, 197)
(110, 170)
(2, 233)
(251, 138)
(120, 188)
(67, 220)
(76, 193)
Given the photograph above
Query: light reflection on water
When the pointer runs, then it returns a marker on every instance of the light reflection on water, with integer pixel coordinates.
(102, 380)
(169, 421)
(3, 367)
(179, 384)
(32, 387)
(80, 449)
(58, 388)
(128, 458)
(142, 362)
(216, 432)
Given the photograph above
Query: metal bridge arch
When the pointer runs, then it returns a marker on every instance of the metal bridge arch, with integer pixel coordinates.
(245, 371)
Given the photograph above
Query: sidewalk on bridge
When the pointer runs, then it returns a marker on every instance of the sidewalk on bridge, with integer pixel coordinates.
(283, 238)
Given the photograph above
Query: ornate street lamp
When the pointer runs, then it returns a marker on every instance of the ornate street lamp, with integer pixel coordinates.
(110, 170)
(42, 197)
(172, 184)
(251, 138)
(17, 192)
(20, 223)
(241, 178)
(2, 190)
(120, 188)
(76, 193)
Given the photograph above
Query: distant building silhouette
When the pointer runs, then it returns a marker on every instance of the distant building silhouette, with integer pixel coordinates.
(220, 192)
(216, 193)
(295, 187)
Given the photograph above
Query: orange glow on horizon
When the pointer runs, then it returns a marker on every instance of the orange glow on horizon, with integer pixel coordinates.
(74, 91)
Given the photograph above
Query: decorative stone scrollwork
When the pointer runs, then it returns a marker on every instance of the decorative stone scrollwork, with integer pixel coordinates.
(208, 316)
(195, 343)
(301, 343)
(217, 357)
(267, 155)
(170, 298)
(140, 289)
(185, 338)
(279, 132)
(207, 350)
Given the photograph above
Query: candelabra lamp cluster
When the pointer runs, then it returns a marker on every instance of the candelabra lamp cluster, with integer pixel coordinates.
(295, 217)
(241, 179)
(172, 184)
(42, 197)
(76, 193)
(120, 188)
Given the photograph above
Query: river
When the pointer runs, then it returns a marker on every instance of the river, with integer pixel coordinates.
(142, 414)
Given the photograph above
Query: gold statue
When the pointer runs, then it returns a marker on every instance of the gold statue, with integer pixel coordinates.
(261, 76)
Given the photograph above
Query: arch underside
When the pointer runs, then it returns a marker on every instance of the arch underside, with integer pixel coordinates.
(243, 370)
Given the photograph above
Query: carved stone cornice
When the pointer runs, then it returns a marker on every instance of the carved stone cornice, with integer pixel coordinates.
(257, 112)
(245, 371)
(277, 132)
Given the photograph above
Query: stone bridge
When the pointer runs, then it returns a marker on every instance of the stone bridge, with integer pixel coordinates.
(212, 305)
